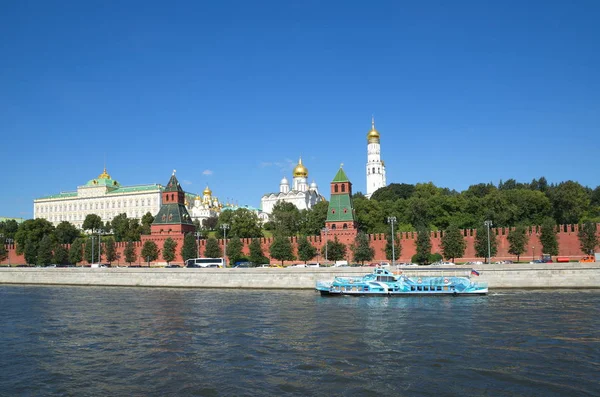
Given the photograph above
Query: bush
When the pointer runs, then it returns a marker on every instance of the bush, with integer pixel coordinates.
(437, 257)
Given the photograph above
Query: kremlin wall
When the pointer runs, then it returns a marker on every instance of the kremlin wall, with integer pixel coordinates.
(567, 240)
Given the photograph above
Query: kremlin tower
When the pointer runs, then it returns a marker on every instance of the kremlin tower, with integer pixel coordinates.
(375, 166)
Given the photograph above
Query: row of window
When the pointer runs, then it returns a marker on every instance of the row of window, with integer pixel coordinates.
(378, 171)
(97, 205)
(80, 217)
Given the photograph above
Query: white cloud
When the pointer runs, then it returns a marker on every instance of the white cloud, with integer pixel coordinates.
(207, 172)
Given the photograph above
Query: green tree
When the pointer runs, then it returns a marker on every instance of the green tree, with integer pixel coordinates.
(111, 251)
(242, 223)
(588, 239)
(212, 249)
(393, 192)
(481, 243)
(397, 251)
(234, 250)
(256, 252)
(306, 251)
(150, 252)
(76, 251)
(29, 235)
(548, 237)
(281, 249)
(44, 254)
(210, 223)
(61, 255)
(423, 245)
(130, 253)
(3, 250)
(314, 219)
(285, 218)
(189, 249)
(453, 243)
(66, 233)
(168, 251)
(570, 200)
(120, 227)
(336, 251)
(93, 223)
(517, 240)
(147, 220)
(361, 249)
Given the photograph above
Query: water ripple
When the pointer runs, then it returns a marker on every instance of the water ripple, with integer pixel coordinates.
(144, 342)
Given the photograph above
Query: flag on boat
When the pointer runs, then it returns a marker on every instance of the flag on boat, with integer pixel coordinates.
(474, 272)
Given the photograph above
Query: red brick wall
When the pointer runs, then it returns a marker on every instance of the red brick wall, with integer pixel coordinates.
(568, 244)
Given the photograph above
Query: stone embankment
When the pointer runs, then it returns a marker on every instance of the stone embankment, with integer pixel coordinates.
(521, 276)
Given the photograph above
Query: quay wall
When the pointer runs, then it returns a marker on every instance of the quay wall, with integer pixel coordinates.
(519, 276)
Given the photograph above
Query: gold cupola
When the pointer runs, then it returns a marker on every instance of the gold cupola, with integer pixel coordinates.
(207, 191)
(373, 135)
(104, 175)
(300, 170)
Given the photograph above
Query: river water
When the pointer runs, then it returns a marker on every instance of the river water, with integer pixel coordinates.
(90, 341)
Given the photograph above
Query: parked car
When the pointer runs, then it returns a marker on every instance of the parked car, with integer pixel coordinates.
(244, 265)
(298, 265)
(313, 265)
(171, 265)
(536, 261)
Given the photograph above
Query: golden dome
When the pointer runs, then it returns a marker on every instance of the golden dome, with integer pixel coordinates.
(197, 197)
(104, 175)
(373, 135)
(207, 191)
(300, 170)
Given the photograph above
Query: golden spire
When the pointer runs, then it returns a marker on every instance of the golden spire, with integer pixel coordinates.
(207, 191)
(104, 175)
(300, 170)
(373, 135)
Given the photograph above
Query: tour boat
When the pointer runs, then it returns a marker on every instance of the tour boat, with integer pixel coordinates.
(384, 282)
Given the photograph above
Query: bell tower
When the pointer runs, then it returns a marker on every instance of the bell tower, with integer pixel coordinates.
(173, 217)
(375, 166)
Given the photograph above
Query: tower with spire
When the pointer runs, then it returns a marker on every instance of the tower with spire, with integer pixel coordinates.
(375, 166)
(173, 217)
(341, 219)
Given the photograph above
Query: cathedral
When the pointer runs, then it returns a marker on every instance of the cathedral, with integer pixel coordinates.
(300, 193)
(375, 166)
(201, 208)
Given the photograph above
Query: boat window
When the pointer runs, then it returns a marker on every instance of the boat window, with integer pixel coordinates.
(412, 287)
(419, 288)
(439, 288)
(426, 288)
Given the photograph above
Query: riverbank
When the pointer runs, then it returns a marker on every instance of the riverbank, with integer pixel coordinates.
(521, 276)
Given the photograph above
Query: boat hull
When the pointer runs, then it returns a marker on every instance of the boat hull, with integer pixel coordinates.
(408, 293)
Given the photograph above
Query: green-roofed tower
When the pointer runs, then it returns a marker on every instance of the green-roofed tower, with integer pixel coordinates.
(341, 219)
(173, 217)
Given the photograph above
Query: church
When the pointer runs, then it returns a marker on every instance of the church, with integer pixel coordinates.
(300, 193)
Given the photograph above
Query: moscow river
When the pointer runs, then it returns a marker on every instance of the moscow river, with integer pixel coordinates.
(90, 341)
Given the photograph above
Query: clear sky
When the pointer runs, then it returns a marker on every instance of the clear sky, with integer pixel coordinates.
(230, 93)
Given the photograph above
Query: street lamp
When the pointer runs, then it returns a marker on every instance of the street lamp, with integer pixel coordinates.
(198, 234)
(92, 260)
(325, 230)
(9, 241)
(488, 224)
(225, 226)
(391, 220)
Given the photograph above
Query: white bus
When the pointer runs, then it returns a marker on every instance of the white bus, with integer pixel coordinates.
(205, 262)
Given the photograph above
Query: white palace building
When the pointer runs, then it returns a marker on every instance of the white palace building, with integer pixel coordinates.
(300, 193)
(102, 196)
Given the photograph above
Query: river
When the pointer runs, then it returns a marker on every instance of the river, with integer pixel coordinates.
(90, 341)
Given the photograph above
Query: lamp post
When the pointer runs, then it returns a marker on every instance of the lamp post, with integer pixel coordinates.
(92, 260)
(99, 248)
(391, 221)
(488, 224)
(9, 241)
(198, 234)
(225, 226)
(325, 230)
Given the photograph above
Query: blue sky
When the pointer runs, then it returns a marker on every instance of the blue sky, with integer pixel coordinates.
(230, 93)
